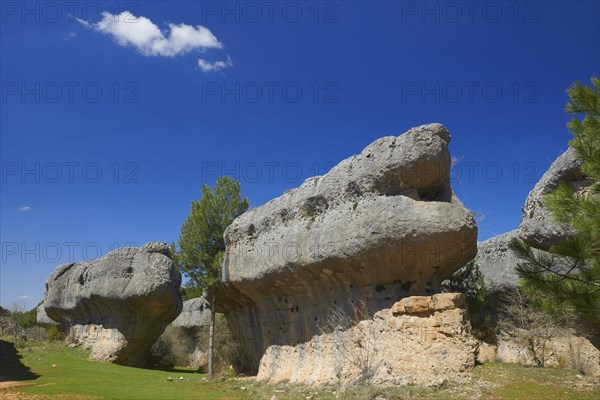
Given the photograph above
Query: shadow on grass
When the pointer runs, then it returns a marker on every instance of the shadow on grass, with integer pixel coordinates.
(11, 367)
(170, 368)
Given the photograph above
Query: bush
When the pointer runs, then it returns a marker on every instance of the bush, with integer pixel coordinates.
(54, 333)
(527, 326)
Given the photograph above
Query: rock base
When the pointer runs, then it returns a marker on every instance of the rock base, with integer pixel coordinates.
(417, 341)
(565, 351)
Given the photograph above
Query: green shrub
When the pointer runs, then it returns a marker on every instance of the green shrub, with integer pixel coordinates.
(54, 333)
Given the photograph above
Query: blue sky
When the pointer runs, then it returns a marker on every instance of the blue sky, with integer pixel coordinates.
(110, 123)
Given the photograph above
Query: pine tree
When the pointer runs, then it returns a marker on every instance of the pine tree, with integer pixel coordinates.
(567, 279)
(200, 249)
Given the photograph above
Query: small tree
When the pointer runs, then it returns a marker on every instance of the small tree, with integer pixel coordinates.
(528, 327)
(568, 278)
(201, 246)
(17, 310)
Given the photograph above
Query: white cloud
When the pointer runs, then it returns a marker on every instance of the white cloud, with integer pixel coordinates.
(70, 35)
(25, 297)
(24, 208)
(207, 66)
(146, 37)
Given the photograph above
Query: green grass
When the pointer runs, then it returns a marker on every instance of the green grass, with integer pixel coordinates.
(67, 371)
(518, 382)
(51, 370)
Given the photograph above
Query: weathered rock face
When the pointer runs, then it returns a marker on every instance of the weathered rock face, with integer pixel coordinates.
(117, 305)
(537, 226)
(42, 318)
(379, 226)
(423, 340)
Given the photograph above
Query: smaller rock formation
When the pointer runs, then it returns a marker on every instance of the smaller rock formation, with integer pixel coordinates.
(9, 326)
(422, 340)
(195, 314)
(117, 305)
(185, 340)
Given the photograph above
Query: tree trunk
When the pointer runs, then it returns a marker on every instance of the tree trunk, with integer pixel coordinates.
(211, 334)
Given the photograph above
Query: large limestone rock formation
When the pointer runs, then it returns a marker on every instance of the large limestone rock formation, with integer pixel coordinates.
(381, 225)
(537, 226)
(117, 305)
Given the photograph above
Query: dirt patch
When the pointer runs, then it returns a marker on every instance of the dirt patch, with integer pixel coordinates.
(9, 391)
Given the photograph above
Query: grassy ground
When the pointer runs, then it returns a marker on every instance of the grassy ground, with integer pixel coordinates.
(50, 370)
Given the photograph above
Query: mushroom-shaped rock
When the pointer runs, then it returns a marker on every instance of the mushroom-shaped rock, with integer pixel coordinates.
(117, 305)
(381, 225)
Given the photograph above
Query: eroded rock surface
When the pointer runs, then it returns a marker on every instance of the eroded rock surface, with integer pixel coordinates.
(117, 305)
(423, 340)
(381, 225)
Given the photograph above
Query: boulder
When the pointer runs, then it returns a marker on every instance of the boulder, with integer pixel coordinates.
(195, 314)
(381, 225)
(537, 227)
(117, 305)
(42, 318)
